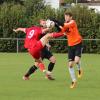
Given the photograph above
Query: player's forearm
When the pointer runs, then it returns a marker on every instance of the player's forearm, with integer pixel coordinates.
(19, 29)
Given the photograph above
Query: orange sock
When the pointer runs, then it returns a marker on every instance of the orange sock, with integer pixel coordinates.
(41, 66)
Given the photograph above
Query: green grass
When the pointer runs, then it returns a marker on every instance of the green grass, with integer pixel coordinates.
(12, 87)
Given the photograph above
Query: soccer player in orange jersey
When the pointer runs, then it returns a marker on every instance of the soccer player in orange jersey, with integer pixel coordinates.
(74, 46)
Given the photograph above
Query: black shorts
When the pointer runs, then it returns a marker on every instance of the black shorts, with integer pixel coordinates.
(45, 53)
(73, 51)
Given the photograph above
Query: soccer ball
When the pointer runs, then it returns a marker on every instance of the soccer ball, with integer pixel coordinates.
(50, 24)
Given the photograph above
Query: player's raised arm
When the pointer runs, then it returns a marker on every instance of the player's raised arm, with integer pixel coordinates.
(19, 29)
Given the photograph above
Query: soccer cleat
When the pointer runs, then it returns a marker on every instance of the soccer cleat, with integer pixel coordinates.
(73, 85)
(49, 77)
(25, 78)
(80, 73)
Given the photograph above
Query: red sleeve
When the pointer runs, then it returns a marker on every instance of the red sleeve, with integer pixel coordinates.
(57, 35)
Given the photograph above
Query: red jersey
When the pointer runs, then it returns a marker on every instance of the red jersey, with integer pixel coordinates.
(32, 36)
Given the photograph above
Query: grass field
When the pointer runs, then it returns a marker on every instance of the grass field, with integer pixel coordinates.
(12, 87)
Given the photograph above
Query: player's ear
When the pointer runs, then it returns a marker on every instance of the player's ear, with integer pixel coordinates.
(71, 17)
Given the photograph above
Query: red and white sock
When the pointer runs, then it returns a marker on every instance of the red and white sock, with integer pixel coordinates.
(42, 67)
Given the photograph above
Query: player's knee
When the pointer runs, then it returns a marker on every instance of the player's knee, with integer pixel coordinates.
(77, 60)
(70, 64)
(36, 63)
(53, 59)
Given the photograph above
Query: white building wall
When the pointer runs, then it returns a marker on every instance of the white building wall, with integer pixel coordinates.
(97, 8)
(53, 3)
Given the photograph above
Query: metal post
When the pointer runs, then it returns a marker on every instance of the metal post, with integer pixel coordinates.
(17, 46)
(76, 2)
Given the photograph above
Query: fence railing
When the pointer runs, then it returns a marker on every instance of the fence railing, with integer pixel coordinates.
(17, 43)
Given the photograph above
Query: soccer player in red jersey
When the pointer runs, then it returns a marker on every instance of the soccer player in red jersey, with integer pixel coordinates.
(45, 54)
(34, 45)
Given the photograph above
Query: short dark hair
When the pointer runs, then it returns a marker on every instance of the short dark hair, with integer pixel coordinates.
(68, 13)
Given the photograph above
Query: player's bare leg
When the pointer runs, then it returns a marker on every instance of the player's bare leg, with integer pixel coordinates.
(30, 71)
(45, 39)
(52, 60)
(72, 74)
(52, 63)
(80, 71)
(42, 68)
(38, 63)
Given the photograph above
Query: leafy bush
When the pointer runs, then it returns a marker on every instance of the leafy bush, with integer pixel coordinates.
(13, 15)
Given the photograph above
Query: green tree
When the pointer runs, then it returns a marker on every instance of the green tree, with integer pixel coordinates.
(33, 7)
(11, 16)
(69, 1)
(17, 1)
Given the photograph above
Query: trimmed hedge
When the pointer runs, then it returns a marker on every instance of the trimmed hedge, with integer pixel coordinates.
(13, 15)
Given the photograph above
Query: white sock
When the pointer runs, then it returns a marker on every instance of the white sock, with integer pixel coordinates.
(78, 66)
(72, 74)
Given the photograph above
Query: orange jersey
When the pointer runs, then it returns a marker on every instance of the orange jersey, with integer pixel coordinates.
(72, 33)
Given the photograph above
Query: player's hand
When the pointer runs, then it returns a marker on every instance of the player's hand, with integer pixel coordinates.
(15, 30)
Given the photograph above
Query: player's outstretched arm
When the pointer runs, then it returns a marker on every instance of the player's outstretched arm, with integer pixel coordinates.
(19, 29)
